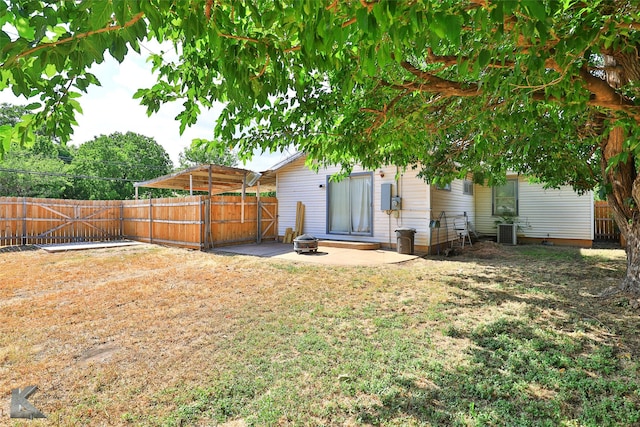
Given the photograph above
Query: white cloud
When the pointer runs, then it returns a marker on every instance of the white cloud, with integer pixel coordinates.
(111, 108)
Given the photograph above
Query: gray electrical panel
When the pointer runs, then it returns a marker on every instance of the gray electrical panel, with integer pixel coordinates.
(385, 197)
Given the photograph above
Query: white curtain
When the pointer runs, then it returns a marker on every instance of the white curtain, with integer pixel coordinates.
(350, 205)
(339, 206)
(360, 204)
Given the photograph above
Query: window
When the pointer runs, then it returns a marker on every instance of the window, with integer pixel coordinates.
(467, 187)
(505, 199)
(443, 187)
(349, 205)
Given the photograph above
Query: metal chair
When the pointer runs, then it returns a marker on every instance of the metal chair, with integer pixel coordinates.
(461, 228)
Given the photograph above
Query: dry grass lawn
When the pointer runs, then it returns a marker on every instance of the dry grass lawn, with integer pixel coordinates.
(149, 335)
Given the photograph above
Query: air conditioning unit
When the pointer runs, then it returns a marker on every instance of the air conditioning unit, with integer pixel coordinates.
(507, 234)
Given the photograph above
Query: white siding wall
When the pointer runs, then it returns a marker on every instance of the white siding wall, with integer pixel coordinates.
(454, 204)
(560, 214)
(415, 207)
(484, 221)
(295, 182)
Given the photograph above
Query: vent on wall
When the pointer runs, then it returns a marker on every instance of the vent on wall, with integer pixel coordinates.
(507, 234)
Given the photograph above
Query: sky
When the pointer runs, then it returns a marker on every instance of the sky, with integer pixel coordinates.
(111, 108)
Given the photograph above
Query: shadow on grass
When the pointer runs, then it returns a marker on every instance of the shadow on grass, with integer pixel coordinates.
(560, 283)
(519, 375)
(573, 363)
(566, 358)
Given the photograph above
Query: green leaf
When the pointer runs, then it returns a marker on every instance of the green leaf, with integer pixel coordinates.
(101, 12)
(125, 9)
(27, 137)
(362, 17)
(118, 49)
(497, 15)
(25, 30)
(453, 28)
(484, 58)
(49, 69)
(6, 134)
(4, 38)
(535, 9)
(5, 78)
(438, 25)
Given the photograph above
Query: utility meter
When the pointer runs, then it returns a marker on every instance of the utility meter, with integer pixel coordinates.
(396, 203)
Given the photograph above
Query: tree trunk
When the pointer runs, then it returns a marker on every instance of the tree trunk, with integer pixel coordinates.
(631, 281)
(624, 200)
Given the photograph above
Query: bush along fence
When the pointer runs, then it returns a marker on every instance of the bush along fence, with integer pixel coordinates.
(198, 222)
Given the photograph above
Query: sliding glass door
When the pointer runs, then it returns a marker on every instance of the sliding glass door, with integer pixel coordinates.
(349, 205)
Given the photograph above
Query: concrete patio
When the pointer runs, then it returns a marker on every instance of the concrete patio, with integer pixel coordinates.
(327, 255)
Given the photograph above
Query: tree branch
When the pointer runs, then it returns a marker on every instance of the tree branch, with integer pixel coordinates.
(451, 60)
(264, 68)
(106, 29)
(605, 96)
(437, 84)
(382, 114)
(231, 36)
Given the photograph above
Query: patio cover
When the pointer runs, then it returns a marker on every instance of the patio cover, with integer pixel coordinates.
(211, 178)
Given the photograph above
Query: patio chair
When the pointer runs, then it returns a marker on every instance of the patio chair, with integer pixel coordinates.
(461, 228)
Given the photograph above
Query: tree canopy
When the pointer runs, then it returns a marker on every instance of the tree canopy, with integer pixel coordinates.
(103, 168)
(37, 170)
(453, 87)
(202, 151)
(106, 167)
(25, 172)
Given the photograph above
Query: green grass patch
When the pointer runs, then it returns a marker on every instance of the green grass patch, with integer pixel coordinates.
(369, 366)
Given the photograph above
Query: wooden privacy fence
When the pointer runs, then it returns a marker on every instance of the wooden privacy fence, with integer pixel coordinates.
(25, 221)
(604, 227)
(194, 222)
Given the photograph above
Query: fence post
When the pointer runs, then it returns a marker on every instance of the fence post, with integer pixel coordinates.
(121, 232)
(207, 222)
(150, 220)
(258, 214)
(75, 230)
(203, 231)
(24, 221)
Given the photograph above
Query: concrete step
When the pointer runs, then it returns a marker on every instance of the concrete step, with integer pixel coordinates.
(365, 246)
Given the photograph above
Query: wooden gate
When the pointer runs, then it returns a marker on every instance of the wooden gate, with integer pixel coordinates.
(268, 218)
(604, 227)
(27, 221)
(234, 220)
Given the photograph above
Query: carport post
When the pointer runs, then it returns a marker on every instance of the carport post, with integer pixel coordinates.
(244, 193)
(207, 216)
(258, 214)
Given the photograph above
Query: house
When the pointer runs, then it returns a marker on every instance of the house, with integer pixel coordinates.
(369, 206)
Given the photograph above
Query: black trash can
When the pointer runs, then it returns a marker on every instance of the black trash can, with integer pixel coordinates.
(405, 240)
